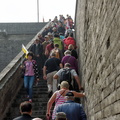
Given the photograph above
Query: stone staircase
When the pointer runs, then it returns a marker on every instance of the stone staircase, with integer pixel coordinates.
(40, 98)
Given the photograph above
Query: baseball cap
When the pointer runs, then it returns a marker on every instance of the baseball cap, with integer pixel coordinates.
(46, 36)
(69, 94)
(54, 28)
(49, 33)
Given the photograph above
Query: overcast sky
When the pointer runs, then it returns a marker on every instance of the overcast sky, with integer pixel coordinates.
(26, 10)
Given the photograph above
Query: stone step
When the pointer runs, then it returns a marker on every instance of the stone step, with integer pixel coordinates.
(35, 96)
(40, 99)
(36, 88)
(35, 92)
(37, 102)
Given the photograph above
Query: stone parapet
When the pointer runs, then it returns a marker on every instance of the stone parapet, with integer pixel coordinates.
(10, 80)
(21, 28)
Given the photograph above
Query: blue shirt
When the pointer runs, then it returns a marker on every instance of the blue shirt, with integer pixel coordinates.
(74, 111)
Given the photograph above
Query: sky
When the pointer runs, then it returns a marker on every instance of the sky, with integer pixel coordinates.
(26, 10)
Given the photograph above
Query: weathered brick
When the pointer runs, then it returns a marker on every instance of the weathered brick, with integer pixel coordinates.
(98, 38)
(117, 84)
(116, 108)
(117, 95)
(98, 115)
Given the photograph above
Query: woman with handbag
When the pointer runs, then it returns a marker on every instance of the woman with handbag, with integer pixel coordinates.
(59, 97)
(31, 72)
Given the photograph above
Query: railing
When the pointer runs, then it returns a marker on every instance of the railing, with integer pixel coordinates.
(10, 79)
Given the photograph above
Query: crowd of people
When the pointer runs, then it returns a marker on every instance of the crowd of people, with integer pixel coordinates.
(53, 55)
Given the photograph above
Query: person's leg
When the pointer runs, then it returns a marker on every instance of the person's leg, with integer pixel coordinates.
(55, 83)
(26, 84)
(49, 84)
(31, 81)
(49, 81)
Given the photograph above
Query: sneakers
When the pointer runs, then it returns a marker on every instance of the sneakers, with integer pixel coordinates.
(30, 100)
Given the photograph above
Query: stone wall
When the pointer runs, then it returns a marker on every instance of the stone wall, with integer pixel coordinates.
(10, 83)
(98, 35)
(12, 36)
(10, 46)
(21, 28)
(10, 79)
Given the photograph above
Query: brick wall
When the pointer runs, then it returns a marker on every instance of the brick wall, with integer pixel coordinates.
(98, 35)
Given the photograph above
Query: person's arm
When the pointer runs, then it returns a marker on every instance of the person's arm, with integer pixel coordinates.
(55, 76)
(61, 66)
(74, 74)
(22, 66)
(49, 104)
(44, 73)
(78, 81)
(35, 69)
(77, 94)
(46, 51)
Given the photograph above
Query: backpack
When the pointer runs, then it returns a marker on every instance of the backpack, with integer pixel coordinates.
(59, 42)
(66, 76)
(68, 41)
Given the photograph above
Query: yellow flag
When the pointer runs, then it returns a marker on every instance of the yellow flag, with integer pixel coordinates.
(24, 50)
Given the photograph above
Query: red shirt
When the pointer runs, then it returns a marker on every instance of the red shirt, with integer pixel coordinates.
(48, 49)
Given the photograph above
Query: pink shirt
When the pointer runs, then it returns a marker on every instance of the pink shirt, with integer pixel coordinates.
(29, 70)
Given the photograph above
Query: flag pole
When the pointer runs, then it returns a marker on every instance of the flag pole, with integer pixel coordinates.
(37, 10)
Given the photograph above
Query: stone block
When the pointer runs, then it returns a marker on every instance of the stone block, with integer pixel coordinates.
(117, 95)
(117, 84)
(116, 108)
(100, 56)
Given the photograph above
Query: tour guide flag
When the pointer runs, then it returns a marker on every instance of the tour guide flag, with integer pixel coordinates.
(24, 50)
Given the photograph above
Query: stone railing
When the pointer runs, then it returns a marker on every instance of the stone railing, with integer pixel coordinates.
(10, 79)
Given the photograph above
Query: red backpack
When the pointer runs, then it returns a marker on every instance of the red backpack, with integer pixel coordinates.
(68, 41)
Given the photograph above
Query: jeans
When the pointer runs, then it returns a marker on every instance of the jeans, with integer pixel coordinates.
(28, 84)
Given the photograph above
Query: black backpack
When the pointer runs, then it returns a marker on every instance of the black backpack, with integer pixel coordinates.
(66, 75)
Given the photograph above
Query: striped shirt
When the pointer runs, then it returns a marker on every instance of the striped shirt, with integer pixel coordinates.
(59, 100)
